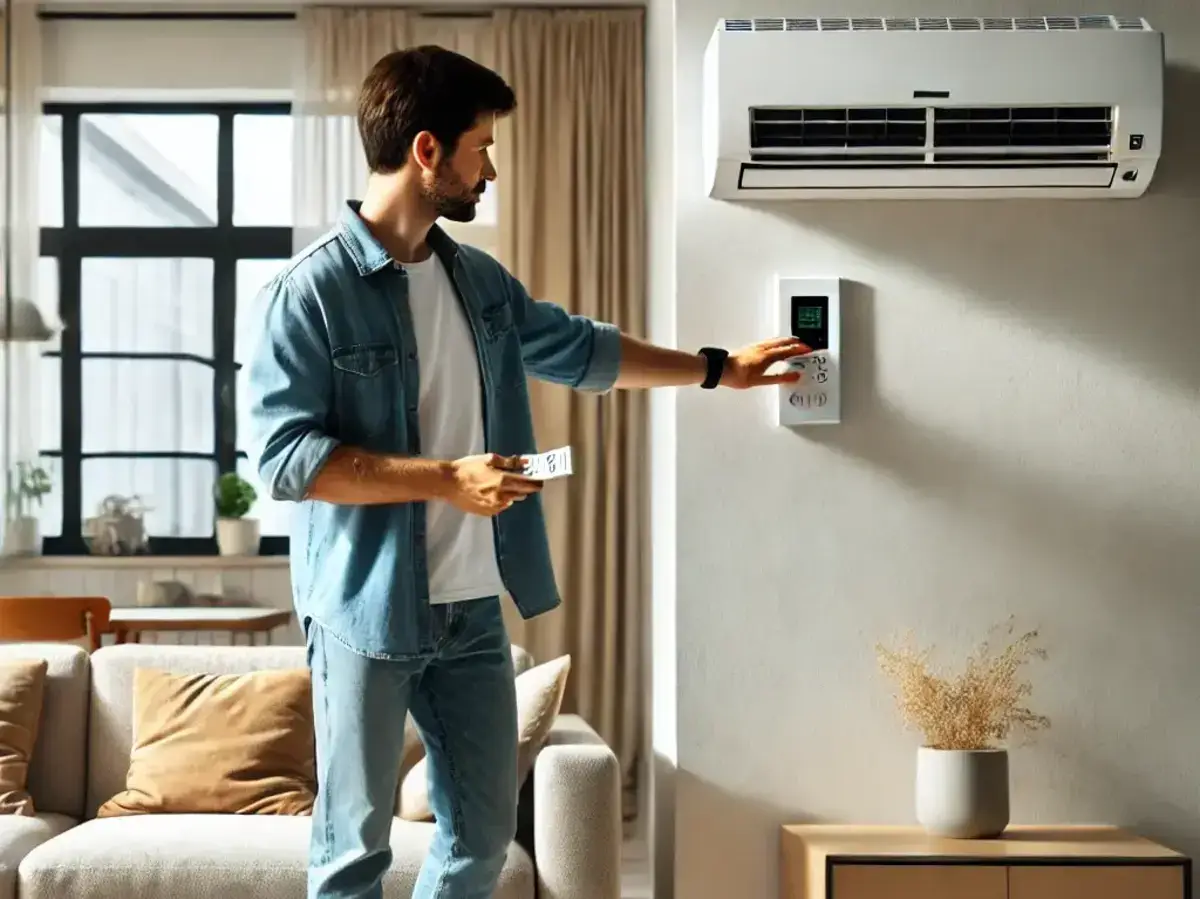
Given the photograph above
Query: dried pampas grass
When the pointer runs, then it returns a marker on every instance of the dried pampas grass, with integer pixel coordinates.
(978, 708)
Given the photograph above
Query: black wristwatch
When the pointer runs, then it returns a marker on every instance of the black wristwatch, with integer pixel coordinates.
(716, 366)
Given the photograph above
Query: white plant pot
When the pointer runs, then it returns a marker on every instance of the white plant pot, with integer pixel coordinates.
(237, 536)
(962, 793)
(22, 537)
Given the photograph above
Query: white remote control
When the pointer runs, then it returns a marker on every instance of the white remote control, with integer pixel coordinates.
(549, 465)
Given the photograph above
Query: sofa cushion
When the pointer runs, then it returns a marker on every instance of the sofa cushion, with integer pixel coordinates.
(22, 683)
(57, 770)
(201, 856)
(220, 744)
(539, 697)
(18, 836)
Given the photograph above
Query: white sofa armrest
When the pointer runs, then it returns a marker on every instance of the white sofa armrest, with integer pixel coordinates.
(577, 814)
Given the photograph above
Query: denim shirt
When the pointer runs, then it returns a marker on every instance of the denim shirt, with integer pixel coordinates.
(337, 363)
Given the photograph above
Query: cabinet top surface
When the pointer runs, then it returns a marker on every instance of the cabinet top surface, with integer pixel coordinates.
(1018, 841)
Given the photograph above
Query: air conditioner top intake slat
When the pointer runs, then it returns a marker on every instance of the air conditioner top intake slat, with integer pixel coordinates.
(938, 23)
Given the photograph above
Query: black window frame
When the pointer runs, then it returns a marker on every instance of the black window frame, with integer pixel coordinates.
(223, 243)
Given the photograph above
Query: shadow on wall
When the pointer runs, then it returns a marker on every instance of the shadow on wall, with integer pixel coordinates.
(1122, 547)
(1121, 276)
(743, 832)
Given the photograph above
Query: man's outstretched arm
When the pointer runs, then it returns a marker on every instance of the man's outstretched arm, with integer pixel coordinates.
(589, 355)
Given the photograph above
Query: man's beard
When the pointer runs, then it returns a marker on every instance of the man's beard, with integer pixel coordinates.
(452, 199)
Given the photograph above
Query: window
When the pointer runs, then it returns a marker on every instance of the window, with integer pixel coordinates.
(160, 224)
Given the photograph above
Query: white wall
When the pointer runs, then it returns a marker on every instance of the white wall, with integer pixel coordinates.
(662, 752)
(1022, 435)
(119, 59)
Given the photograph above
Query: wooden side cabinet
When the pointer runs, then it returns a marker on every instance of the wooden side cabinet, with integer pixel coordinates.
(850, 862)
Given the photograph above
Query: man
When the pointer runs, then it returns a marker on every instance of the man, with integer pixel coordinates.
(389, 401)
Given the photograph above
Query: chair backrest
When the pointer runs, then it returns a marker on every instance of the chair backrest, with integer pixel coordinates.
(58, 767)
(54, 618)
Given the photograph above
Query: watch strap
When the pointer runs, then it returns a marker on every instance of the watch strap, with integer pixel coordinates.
(715, 357)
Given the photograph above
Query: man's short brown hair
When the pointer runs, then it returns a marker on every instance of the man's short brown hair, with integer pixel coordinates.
(426, 88)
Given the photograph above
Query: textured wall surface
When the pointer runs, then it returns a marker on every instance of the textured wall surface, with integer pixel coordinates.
(1021, 436)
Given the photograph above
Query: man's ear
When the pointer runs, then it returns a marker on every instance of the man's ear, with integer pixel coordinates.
(426, 151)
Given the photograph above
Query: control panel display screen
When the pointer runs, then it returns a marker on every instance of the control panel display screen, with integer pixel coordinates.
(810, 321)
(809, 317)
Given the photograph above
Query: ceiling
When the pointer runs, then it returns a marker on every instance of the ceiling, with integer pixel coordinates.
(159, 7)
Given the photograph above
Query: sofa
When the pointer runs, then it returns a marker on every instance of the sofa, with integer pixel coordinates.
(567, 846)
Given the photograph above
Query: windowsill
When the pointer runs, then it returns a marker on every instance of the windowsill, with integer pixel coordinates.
(27, 563)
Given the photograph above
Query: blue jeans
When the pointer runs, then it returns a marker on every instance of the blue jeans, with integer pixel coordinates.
(461, 693)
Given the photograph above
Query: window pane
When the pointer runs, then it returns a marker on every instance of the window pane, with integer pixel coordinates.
(147, 405)
(50, 169)
(178, 492)
(147, 306)
(49, 369)
(274, 517)
(147, 170)
(49, 515)
(252, 276)
(262, 170)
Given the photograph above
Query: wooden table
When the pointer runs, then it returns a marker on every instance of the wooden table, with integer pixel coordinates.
(128, 622)
(853, 862)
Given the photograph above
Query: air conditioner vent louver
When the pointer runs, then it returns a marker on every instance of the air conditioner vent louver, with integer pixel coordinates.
(1081, 127)
(939, 23)
(855, 128)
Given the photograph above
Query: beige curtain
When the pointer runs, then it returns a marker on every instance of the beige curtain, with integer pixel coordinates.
(572, 229)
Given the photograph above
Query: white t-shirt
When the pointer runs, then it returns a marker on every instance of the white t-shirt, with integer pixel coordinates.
(462, 554)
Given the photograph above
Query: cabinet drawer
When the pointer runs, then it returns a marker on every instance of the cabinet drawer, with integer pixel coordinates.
(1096, 882)
(909, 881)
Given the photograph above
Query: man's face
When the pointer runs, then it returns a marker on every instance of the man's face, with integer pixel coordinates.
(454, 184)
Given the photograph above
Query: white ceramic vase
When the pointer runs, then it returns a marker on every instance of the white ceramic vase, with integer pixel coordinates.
(22, 537)
(962, 793)
(237, 536)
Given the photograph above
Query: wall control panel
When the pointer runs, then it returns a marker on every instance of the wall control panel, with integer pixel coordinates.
(810, 310)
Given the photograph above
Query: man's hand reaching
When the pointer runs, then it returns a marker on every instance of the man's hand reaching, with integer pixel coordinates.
(489, 484)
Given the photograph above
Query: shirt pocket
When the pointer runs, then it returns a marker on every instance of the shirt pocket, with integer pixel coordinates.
(368, 389)
(497, 322)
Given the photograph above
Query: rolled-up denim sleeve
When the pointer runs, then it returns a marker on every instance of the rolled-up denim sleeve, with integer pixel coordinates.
(564, 348)
(291, 389)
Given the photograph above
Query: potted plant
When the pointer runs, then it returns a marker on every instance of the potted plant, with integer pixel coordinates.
(237, 535)
(27, 484)
(966, 718)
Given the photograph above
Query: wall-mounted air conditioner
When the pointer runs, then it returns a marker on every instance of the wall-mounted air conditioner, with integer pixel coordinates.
(807, 108)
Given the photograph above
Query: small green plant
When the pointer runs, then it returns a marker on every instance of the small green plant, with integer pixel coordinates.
(234, 495)
(27, 484)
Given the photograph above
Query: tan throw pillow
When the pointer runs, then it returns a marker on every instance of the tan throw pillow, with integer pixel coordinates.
(539, 697)
(220, 744)
(22, 687)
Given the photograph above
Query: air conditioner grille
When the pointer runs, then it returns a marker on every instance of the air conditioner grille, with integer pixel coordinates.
(1023, 127)
(940, 23)
(840, 128)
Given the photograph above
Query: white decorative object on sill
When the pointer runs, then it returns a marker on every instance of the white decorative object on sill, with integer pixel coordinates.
(22, 537)
(27, 484)
(234, 497)
(237, 536)
(118, 528)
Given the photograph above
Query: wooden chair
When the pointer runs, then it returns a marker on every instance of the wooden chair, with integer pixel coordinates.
(54, 618)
